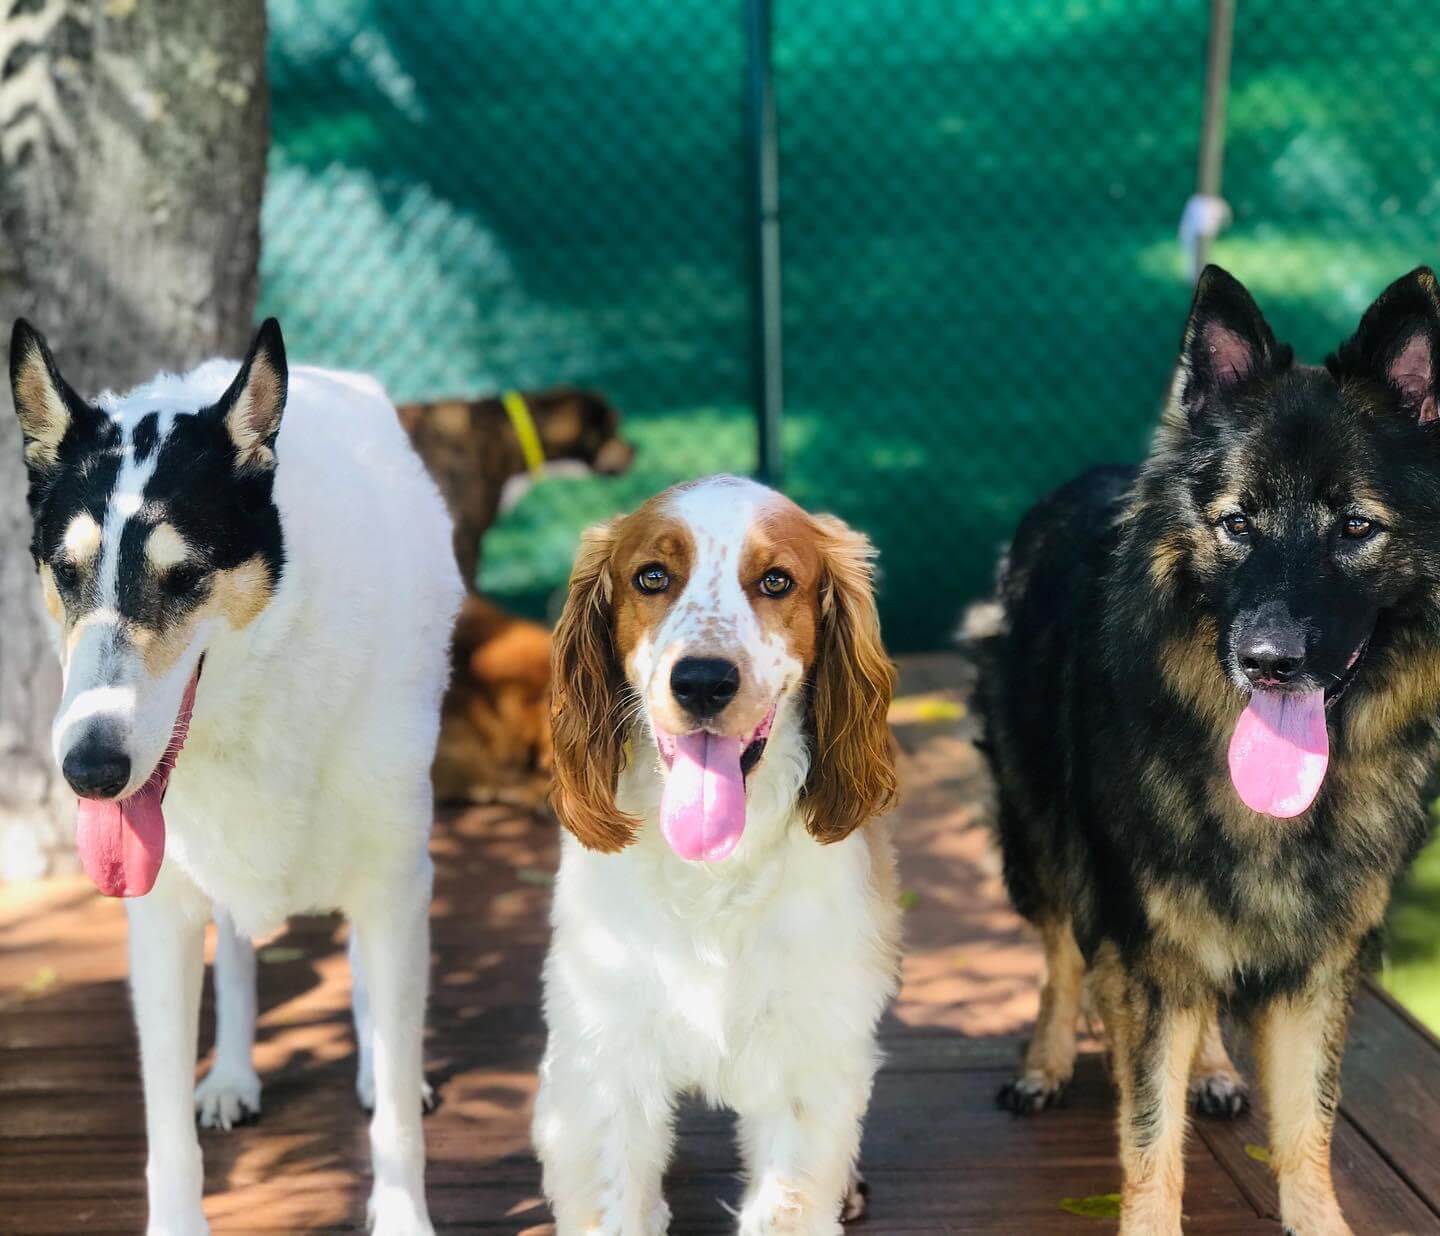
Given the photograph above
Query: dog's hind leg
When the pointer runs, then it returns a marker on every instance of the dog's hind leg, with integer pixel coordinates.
(167, 970)
(230, 1093)
(391, 927)
(365, 1037)
(1216, 1087)
(1299, 1044)
(1050, 1054)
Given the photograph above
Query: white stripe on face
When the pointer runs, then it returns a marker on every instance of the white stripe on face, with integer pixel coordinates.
(126, 499)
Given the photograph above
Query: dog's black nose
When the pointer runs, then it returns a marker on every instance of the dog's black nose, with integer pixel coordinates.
(1272, 656)
(702, 686)
(96, 767)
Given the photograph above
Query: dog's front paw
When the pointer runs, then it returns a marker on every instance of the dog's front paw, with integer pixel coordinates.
(1224, 1096)
(395, 1212)
(1031, 1093)
(228, 1096)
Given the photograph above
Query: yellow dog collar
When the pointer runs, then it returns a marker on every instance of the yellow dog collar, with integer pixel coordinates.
(519, 413)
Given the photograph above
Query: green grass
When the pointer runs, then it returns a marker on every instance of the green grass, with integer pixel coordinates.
(1411, 967)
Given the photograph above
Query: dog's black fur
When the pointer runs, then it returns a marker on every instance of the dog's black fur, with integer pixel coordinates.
(1115, 683)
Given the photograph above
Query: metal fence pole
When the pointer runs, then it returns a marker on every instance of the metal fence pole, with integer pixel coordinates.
(1212, 132)
(764, 152)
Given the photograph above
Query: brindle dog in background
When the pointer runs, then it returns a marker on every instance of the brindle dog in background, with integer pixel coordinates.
(495, 725)
(472, 450)
(1252, 617)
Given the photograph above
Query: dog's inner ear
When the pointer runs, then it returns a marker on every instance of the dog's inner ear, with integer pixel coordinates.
(44, 403)
(1227, 339)
(1395, 343)
(1412, 374)
(255, 402)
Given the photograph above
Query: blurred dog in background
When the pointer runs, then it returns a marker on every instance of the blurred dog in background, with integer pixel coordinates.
(475, 449)
(495, 727)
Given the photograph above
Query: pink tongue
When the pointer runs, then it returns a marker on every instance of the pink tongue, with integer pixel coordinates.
(702, 811)
(122, 841)
(1279, 752)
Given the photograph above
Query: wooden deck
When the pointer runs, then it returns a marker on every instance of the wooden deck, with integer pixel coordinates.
(939, 1156)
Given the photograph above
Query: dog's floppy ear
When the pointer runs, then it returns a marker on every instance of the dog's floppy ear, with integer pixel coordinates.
(1397, 343)
(47, 407)
(588, 708)
(253, 405)
(1226, 342)
(852, 764)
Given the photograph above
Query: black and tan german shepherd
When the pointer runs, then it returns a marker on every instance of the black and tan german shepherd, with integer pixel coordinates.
(1212, 705)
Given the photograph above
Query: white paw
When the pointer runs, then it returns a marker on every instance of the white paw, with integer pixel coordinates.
(777, 1209)
(857, 1197)
(395, 1212)
(229, 1095)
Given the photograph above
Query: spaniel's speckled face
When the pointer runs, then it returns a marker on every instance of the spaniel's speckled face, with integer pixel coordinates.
(725, 574)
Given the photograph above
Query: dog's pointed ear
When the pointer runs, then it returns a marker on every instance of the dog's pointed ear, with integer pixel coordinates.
(852, 761)
(1398, 344)
(48, 409)
(1226, 342)
(588, 703)
(253, 405)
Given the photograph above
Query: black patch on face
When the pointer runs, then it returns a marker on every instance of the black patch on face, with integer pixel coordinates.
(226, 515)
(144, 436)
(81, 484)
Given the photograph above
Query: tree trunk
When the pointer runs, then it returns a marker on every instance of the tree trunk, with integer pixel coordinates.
(133, 136)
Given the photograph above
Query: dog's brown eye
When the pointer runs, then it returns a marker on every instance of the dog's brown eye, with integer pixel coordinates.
(652, 578)
(1357, 527)
(1236, 524)
(180, 582)
(776, 583)
(66, 574)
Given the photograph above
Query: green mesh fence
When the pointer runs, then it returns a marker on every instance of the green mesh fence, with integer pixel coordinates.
(982, 284)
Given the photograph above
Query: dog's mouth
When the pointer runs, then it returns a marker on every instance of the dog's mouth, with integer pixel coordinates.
(121, 841)
(702, 807)
(1280, 749)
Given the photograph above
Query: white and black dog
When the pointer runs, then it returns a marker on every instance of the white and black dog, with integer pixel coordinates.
(276, 598)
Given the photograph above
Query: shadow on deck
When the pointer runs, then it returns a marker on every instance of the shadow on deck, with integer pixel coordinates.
(938, 1155)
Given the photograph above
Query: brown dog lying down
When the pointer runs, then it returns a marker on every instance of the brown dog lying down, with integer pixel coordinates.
(472, 449)
(495, 723)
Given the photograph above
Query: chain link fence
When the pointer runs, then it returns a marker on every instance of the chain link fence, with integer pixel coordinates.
(982, 285)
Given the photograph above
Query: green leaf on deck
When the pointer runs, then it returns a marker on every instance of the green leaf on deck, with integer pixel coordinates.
(908, 899)
(1097, 1206)
(39, 983)
(1261, 1154)
(533, 875)
(279, 953)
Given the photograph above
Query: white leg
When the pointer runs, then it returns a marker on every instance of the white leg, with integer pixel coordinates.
(365, 1037)
(167, 968)
(364, 1032)
(230, 1093)
(392, 931)
(604, 1130)
(800, 1154)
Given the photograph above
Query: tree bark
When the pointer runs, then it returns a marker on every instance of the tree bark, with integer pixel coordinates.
(133, 136)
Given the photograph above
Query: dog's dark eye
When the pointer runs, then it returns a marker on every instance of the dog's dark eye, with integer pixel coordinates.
(776, 583)
(1236, 524)
(1357, 527)
(180, 582)
(66, 574)
(652, 578)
